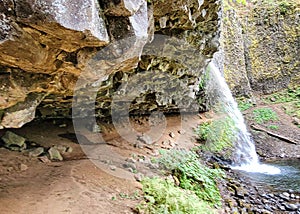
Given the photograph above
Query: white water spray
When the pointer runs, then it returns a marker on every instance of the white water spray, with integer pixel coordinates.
(220, 97)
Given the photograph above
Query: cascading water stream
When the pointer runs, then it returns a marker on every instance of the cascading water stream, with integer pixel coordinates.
(222, 101)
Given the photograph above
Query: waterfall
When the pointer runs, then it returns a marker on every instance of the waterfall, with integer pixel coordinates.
(222, 102)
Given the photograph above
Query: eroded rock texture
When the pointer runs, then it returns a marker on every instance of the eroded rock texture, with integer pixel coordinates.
(46, 46)
(261, 46)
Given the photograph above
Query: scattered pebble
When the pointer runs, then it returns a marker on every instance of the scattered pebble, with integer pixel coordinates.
(145, 139)
(112, 167)
(44, 159)
(182, 131)
(172, 135)
(23, 167)
(55, 154)
(36, 152)
(130, 160)
(138, 177)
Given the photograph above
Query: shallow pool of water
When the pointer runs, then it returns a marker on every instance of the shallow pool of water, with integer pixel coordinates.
(287, 179)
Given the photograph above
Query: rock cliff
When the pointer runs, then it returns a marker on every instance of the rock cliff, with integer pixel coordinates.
(46, 46)
(260, 42)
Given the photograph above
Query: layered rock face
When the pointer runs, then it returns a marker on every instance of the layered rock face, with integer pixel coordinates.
(48, 48)
(260, 43)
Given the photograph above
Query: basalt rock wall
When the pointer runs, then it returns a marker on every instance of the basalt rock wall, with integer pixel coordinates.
(261, 42)
(47, 46)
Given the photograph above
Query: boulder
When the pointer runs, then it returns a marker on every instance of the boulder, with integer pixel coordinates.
(13, 141)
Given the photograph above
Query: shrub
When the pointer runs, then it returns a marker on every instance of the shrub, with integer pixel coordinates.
(163, 197)
(218, 134)
(193, 175)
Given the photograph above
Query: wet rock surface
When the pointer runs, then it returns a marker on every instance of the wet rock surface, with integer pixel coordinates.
(241, 195)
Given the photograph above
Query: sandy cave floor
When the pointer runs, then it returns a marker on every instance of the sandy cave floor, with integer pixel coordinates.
(77, 184)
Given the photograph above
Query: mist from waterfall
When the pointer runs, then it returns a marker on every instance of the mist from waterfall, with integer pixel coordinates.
(222, 102)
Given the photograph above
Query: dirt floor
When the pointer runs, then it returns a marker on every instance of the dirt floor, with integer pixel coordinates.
(101, 174)
(283, 141)
(99, 177)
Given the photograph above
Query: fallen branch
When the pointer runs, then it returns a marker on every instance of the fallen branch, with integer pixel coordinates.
(283, 138)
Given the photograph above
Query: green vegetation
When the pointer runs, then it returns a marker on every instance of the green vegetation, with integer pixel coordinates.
(218, 134)
(289, 95)
(264, 115)
(133, 196)
(244, 104)
(292, 109)
(274, 127)
(204, 79)
(193, 175)
(196, 190)
(163, 197)
(231, 4)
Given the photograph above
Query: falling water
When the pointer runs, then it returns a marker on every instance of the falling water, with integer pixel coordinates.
(222, 101)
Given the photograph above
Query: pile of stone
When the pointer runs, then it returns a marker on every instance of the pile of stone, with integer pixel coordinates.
(15, 142)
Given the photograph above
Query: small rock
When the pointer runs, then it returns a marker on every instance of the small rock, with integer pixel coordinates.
(273, 99)
(44, 159)
(69, 149)
(286, 194)
(171, 143)
(145, 139)
(36, 152)
(139, 145)
(284, 197)
(61, 148)
(282, 155)
(130, 160)
(291, 207)
(23, 167)
(264, 211)
(55, 154)
(164, 143)
(172, 135)
(62, 125)
(280, 207)
(13, 141)
(296, 121)
(138, 177)
(10, 169)
(182, 131)
(112, 167)
(152, 166)
(95, 128)
(130, 165)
